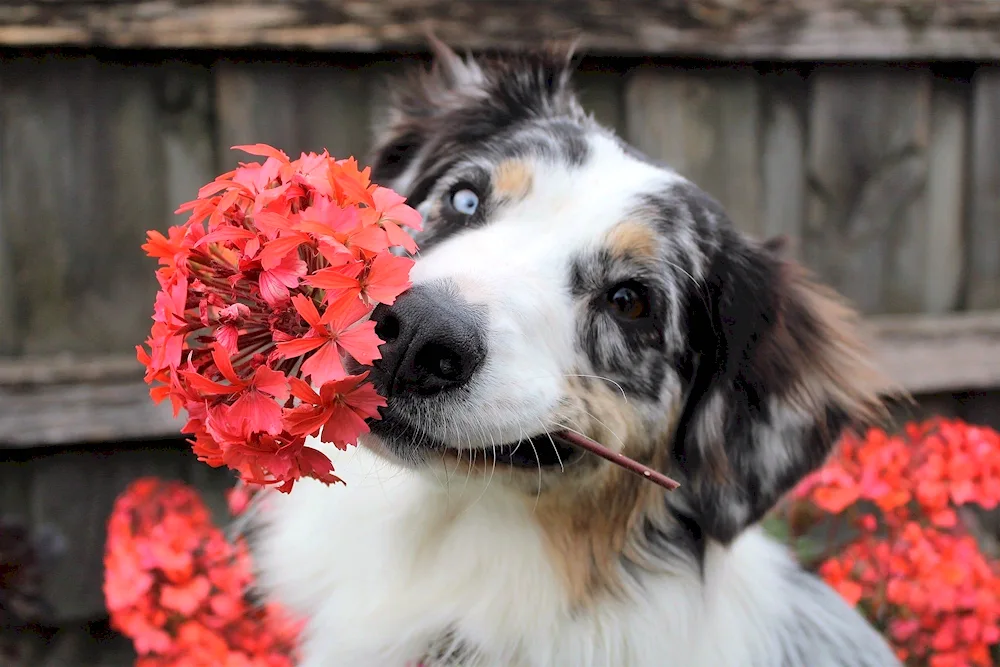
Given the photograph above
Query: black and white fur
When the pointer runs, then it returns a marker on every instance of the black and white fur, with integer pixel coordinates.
(465, 536)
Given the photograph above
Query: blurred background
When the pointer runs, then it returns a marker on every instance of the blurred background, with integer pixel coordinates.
(866, 131)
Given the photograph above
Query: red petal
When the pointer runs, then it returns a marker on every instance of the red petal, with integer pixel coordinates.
(225, 366)
(299, 346)
(271, 382)
(228, 336)
(335, 253)
(373, 239)
(398, 237)
(227, 201)
(835, 500)
(307, 309)
(386, 199)
(337, 278)
(393, 208)
(142, 356)
(316, 464)
(289, 271)
(343, 427)
(203, 385)
(273, 252)
(325, 365)
(305, 420)
(258, 412)
(388, 277)
(344, 312)
(361, 343)
(365, 400)
(271, 223)
(350, 185)
(226, 233)
(302, 391)
(262, 150)
(270, 195)
(272, 289)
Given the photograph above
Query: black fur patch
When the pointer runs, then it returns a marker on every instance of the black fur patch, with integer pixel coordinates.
(442, 119)
(739, 374)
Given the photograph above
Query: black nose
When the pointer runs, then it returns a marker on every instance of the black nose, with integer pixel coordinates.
(433, 342)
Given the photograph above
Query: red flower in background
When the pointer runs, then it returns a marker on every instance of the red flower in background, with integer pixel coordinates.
(270, 280)
(178, 588)
(914, 568)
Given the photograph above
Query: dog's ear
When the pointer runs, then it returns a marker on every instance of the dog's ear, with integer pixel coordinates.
(417, 99)
(435, 115)
(779, 373)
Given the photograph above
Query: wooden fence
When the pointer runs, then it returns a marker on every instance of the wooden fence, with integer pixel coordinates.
(867, 132)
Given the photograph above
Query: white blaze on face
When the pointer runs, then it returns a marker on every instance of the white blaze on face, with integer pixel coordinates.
(516, 268)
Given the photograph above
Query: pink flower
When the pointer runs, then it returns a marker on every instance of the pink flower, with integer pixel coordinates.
(272, 278)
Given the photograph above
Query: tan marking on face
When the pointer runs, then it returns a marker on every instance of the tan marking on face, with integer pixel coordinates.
(512, 179)
(594, 520)
(632, 239)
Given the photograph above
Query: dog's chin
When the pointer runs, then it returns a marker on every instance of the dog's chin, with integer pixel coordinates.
(412, 447)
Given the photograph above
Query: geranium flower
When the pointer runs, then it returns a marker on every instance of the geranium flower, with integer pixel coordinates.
(202, 615)
(337, 333)
(339, 409)
(914, 568)
(272, 278)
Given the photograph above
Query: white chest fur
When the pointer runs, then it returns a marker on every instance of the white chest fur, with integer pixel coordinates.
(386, 566)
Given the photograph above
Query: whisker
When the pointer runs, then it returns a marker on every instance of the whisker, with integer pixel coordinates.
(555, 449)
(606, 427)
(599, 377)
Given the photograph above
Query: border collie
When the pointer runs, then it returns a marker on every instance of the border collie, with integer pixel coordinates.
(566, 283)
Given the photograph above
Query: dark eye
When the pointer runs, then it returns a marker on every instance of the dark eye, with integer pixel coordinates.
(629, 300)
(465, 200)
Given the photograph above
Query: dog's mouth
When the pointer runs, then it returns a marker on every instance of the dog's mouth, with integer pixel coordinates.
(545, 450)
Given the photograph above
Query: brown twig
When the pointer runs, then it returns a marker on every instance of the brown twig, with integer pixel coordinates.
(619, 459)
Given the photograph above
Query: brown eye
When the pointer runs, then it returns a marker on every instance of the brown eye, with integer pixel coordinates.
(628, 301)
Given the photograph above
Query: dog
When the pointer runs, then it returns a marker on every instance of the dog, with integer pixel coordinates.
(567, 283)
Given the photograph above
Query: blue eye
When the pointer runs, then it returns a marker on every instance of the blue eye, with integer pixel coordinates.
(465, 201)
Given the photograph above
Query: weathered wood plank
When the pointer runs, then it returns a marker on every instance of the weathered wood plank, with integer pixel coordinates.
(866, 230)
(7, 339)
(705, 124)
(73, 491)
(783, 153)
(293, 106)
(938, 265)
(932, 354)
(819, 29)
(94, 153)
(82, 412)
(984, 203)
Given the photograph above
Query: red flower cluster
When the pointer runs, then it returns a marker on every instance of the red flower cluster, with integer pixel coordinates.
(914, 567)
(177, 587)
(275, 290)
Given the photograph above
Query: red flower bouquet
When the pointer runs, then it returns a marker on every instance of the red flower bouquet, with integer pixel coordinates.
(177, 588)
(269, 283)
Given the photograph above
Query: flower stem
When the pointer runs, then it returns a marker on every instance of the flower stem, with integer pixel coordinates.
(618, 459)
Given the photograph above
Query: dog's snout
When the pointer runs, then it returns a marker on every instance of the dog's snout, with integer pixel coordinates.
(433, 342)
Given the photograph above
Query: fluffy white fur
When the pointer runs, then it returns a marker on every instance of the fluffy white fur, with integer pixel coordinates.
(381, 568)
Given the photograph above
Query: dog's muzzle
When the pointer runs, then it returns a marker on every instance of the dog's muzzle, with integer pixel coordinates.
(434, 342)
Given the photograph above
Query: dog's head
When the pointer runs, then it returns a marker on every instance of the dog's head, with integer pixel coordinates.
(565, 282)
